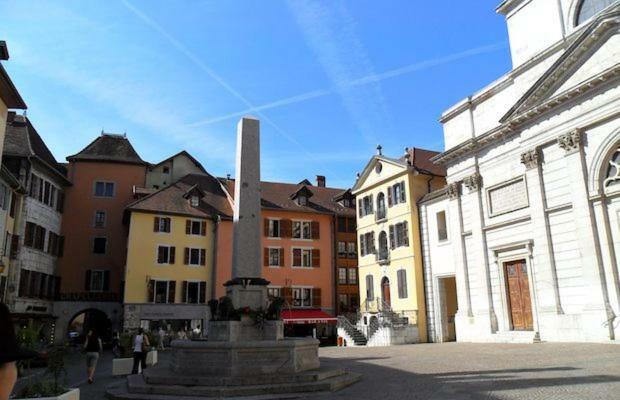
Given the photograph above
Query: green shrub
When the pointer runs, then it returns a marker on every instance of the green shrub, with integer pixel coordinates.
(54, 381)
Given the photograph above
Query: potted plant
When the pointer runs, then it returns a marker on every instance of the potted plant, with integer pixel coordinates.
(52, 385)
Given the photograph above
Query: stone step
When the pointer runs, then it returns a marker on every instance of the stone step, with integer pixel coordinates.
(163, 376)
(137, 389)
(516, 337)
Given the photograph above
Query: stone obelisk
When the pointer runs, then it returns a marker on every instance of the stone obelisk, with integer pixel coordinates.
(247, 288)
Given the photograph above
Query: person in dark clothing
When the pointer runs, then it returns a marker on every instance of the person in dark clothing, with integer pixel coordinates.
(92, 347)
(140, 348)
(10, 352)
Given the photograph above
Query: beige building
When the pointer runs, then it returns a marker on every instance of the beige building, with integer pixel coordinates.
(390, 264)
(172, 169)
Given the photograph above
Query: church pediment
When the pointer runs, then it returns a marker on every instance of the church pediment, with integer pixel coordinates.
(592, 59)
(377, 169)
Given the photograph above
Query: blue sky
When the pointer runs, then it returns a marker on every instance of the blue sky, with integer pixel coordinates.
(329, 80)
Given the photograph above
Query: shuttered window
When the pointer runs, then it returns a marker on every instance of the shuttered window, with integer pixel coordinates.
(401, 276)
(370, 288)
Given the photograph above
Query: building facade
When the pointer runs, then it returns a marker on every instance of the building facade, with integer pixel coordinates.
(170, 170)
(36, 243)
(390, 262)
(103, 175)
(532, 202)
(171, 253)
(347, 276)
(11, 201)
(10, 99)
(299, 242)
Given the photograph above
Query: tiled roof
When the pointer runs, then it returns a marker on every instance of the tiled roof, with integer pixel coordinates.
(171, 199)
(181, 153)
(421, 160)
(22, 140)
(111, 148)
(277, 196)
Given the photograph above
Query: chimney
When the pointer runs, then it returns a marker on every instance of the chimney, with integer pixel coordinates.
(320, 181)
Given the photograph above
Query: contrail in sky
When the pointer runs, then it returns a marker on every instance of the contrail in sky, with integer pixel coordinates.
(415, 67)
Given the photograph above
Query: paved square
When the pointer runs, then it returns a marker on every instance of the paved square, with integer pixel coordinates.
(480, 371)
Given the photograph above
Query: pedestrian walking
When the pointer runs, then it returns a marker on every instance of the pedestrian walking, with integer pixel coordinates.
(10, 353)
(92, 347)
(181, 335)
(116, 344)
(140, 348)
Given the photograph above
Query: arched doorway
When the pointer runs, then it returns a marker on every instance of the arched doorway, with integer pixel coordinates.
(385, 292)
(86, 320)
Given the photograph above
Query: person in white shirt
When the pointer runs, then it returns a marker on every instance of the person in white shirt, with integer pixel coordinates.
(140, 348)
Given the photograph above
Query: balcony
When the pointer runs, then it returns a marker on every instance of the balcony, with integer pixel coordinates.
(382, 257)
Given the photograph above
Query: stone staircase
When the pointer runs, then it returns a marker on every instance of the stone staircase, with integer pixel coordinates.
(516, 337)
(358, 337)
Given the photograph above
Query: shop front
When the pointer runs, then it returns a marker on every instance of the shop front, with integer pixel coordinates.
(315, 323)
(173, 318)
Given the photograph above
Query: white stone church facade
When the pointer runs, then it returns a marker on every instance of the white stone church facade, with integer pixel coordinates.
(532, 207)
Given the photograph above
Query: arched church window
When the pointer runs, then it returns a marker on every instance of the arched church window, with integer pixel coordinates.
(589, 8)
(612, 177)
(381, 212)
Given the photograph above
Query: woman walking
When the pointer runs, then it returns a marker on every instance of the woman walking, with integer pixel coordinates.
(93, 347)
(140, 348)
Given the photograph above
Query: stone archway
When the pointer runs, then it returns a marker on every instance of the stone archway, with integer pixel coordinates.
(89, 319)
(67, 311)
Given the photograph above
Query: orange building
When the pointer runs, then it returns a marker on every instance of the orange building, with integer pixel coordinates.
(347, 277)
(103, 174)
(298, 252)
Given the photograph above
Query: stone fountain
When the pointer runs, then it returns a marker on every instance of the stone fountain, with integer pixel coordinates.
(242, 356)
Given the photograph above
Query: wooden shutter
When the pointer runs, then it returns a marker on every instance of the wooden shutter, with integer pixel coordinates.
(403, 196)
(405, 234)
(392, 238)
(316, 297)
(168, 221)
(106, 281)
(371, 202)
(360, 208)
(316, 258)
(29, 234)
(172, 252)
(287, 295)
(286, 227)
(188, 226)
(61, 246)
(316, 230)
(203, 292)
(390, 196)
(266, 256)
(266, 227)
(87, 280)
(296, 257)
(156, 224)
(14, 246)
(402, 284)
(281, 257)
(371, 245)
(160, 255)
(150, 291)
(172, 291)
(362, 245)
(186, 259)
(60, 202)
(184, 292)
(203, 228)
(203, 257)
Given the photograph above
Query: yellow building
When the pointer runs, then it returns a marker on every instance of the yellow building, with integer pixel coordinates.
(171, 251)
(390, 261)
(11, 196)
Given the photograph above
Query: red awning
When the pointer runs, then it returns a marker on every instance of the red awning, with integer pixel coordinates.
(307, 317)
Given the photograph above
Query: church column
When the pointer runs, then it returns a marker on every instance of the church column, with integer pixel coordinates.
(597, 311)
(459, 251)
(548, 294)
(479, 240)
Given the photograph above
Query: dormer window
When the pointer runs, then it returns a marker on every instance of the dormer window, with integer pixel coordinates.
(302, 200)
(194, 201)
(302, 196)
(193, 195)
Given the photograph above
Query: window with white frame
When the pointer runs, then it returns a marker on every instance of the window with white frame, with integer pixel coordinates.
(104, 189)
(274, 228)
(342, 275)
(100, 219)
(367, 243)
(442, 228)
(162, 224)
(163, 291)
(192, 292)
(195, 256)
(196, 227)
(97, 280)
(365, 206)
(302, 230)
(194, 201)
(302, 258)
(399, 235)
(274, 292)
(352, 249)
(342, 249)
(396, 194)
(302, 297)
(165, 254)
(274, 257)
(352, 276)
